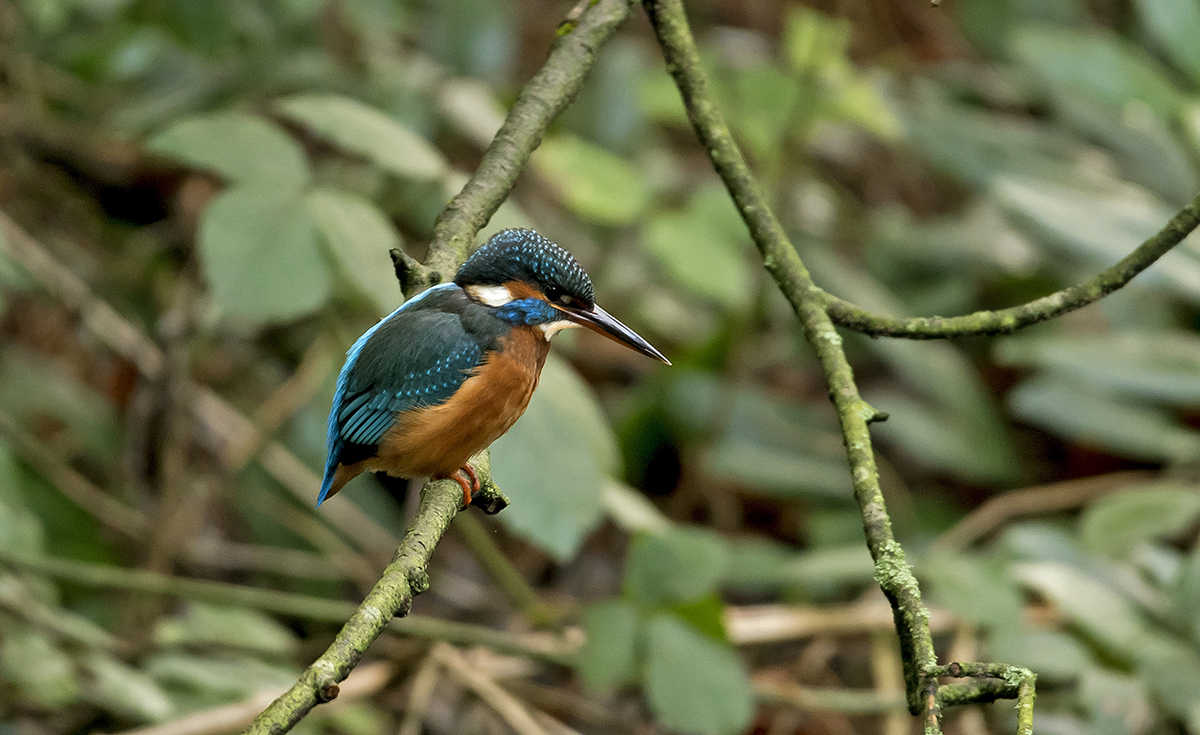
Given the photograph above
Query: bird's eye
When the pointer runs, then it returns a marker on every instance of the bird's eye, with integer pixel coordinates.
(554, 293)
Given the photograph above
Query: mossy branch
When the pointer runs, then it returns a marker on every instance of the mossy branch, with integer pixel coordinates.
(810, 303)
(1007, 321)
(546, 95)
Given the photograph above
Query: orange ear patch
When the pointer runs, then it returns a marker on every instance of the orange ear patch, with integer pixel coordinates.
(521, 290)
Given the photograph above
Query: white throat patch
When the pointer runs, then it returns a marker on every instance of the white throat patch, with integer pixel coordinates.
(490, 295)
(552, 328)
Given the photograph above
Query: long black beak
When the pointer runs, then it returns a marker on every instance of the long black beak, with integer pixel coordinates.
(599, 320)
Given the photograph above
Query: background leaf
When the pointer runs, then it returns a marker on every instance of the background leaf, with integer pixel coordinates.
(694, 684)
(596, 184)
(360, 238)
(360, 129)
(610, 656)
(261, 256)
(553, 477)
(1174, 23)
(680, 565)
(1115, 524)
(240, 148)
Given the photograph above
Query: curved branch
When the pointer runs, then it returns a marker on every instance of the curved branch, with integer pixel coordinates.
(892, 572)
(780, 258)
(1007, 321)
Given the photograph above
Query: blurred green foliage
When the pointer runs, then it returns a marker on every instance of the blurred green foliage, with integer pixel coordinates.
(272, 152)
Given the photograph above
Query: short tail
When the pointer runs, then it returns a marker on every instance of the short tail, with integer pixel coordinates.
(336, 477)
(327, 489)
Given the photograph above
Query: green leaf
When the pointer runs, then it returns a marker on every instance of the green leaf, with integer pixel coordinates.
(1159, 366)
(693, 683)
(771, 446)
(1171, 669)
(1185, 598)
(203, 624)
(1101, 225)
(577, 403)
(1117, 523)
(609, 657)
(703, 248)
(1098, 63)
(813, 40)
(761, 101)
(1096, 418)
(361, 238)
(33, 385)
(553, 477)
(241, 148)
(1117, 702)
(775, 471)
(261, 256)
(597, 185)
(38, 668)
(975, 588)
(1175, 24)
(120, 688)
(706, 615)
(20, 530)
(1051, 653)
(363, 130)
(681, 565)
(1145, 147)
(977, 146)
(759, 565)
(216, 678)
(658, 98)
(951, 423)
(1098, 610)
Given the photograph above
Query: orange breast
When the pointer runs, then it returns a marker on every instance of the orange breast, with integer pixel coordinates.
(437, 441)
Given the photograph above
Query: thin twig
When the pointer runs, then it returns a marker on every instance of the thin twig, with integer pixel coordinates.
(424, 682)
(506, 576)
(364, 682)
(757, 624)
(513, 712)
(77, 488)
(1007, 321)
(541, 646)
(1054, 498)
(771, 690)
(218, 420)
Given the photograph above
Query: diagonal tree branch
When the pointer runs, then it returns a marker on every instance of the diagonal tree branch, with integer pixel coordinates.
(546, 95)
(892, 572)
(1007, 321)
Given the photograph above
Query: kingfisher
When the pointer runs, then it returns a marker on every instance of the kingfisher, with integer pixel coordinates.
(452, 369)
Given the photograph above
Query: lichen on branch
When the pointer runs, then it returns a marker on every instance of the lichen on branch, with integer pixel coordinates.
(1007, 321)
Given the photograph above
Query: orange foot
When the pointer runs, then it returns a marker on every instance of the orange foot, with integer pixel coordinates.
(467, 488)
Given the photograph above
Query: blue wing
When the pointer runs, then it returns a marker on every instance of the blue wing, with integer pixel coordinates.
(417, 356)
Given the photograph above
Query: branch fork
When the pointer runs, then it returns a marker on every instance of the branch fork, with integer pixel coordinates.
(590, 24)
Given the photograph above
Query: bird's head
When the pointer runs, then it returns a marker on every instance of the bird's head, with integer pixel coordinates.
(530, 281)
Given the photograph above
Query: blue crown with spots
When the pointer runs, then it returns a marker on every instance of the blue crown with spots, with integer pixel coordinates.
(526, 256)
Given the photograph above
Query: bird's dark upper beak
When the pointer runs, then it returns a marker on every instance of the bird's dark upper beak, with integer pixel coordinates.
(599, 320)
